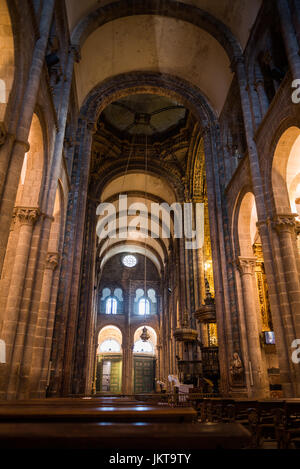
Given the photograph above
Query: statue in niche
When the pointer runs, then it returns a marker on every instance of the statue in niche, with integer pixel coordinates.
(208, 300)
(236, 367)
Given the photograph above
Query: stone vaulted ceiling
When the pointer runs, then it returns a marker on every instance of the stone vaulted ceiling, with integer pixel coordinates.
(144, 114)
(238, 15)
(161, 44)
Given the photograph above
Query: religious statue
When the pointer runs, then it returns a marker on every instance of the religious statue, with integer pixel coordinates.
(236, 366)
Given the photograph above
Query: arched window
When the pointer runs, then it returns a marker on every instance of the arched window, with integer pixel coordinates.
(143, 347)
(111, 306)
(110, 346)
(144, 306)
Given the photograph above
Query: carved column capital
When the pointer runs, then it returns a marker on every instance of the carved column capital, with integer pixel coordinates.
(285, 222)
(52, 260)
(27, 215)
(246, 265)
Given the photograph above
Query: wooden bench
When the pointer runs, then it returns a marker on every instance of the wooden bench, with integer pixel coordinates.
(93, 412)
(157, 437)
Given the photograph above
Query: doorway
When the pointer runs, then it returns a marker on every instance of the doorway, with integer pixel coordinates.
(109, 374)
(144, 374)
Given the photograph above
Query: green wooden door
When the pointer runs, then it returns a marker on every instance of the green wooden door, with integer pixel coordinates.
(109, 374)
(144, 373)
(116, 376)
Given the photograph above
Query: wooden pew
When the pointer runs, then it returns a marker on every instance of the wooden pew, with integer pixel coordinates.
(93, 412)
(158, 437)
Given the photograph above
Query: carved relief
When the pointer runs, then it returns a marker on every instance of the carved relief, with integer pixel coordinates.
(246, 265)
(285, 222)
(52, 260)
(27, 215)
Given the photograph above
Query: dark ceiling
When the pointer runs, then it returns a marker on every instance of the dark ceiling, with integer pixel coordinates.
(144, 114)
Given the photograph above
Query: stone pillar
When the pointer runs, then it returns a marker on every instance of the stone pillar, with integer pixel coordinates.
(126, 368)
(285, 226)
(129, 371)
(227, 316)
(159, 370)
(181, 278)
(94, 383)
(263, 100)
(67, 300)
(44, 329)
(26, 218)
(257, 374)
(20, 147)
(289, 37)
(275, 289)
(59, 140)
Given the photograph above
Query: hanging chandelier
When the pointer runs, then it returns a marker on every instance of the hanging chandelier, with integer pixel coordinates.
(145, 334)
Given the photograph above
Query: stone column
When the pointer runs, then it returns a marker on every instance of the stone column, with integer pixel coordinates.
(289, 37)
(257, 374)
(285, 226)
(67, 299)
(20, 147)
(26, 216)
(159, 371)
(126, 368)
(263, 100)
(181, 277)
(275, 288)
(227, 316)
(94, 378)
(62, 121)
(41, 348)
(129, 371)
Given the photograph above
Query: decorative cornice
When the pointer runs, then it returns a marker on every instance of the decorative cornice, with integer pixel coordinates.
(246, 265)
(52, 260)
(27, 215)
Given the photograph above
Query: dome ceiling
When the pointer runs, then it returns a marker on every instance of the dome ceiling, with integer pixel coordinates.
(144, 114)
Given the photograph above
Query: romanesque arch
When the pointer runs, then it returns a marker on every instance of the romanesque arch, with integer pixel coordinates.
(286, 172)
(7, 53)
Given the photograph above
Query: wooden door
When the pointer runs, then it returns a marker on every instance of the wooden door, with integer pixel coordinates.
(144, 373)
(109, 374)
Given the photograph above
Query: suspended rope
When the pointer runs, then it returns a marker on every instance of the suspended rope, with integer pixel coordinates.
(146, 192)
(122, 188)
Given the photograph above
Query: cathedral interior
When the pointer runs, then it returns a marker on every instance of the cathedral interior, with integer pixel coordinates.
(114, 104)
